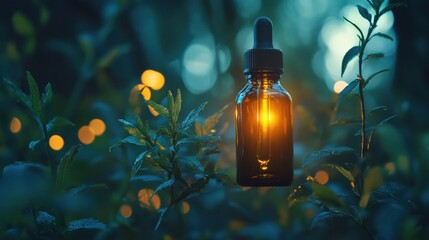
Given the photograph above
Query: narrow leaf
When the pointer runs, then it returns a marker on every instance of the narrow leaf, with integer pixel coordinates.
(376, 109)
(65, 163)
(374, 56)
(85, 188)
(346, 91)
(370, 3)
(383, 35)
(178, 104)
(356, 26)
(350, 54)
(170, 102)
(386, 120)
(326, 195)
(364, 13)
(373, 75)
(300, 193)
(34, 95)
(85, 223)
(138, 162)
(58, 122)
(32, 145)
(159, 108)
(47, 95)
(345, 121)
(131, 129)
(161, 212)
(325, 216)
(346, 173)
(128, 140)
(209, 124)
(17, 93)
(192, 162)
(147, 178)
(22, 25)
(192, 116)
(392, 6)
(162, 186)
(329, 153)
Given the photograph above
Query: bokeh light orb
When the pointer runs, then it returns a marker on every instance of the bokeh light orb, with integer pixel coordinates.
(153, 79)
(56, 142)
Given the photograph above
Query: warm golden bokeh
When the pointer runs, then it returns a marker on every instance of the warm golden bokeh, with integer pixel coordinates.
(86, 135)
(144, 196)
(339, 86)
(126, 211)
(98, 126)
(56, 142)
(15, 125)
(185, 207)
(153, 79)
(322, 177)
(144, 91)
(153, 111)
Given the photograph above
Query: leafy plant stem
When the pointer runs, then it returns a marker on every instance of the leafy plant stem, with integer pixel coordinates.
(48, 154)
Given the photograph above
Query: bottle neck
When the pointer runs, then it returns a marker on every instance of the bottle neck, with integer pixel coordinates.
(263, 77)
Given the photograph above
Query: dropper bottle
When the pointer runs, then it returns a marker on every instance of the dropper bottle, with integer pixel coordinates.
(264, 134)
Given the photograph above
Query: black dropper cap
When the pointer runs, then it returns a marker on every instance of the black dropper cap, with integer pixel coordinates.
(263, 57)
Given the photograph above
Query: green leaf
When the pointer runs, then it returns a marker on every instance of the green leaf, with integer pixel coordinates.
(209, 124)
(131, 129)
(224, 178)
(162, 186)
(128, 140)
(364, 13)
(373, 75)
(22, 25)
(350, 54)
(346, 91)
(325, 216)
(374, 56)
(108, 58)
(370, 3)
(85, 188)
(32, 145)
(170, 103)
(177, 105)
(383, 35)
(138, 162)
(330, 153)
(326, 195)
(346, 173)
(392, 6)
(85, 224)
(17, 93)
(198, 139)
(192, 116)
(47, 95)
(34, 95)
(300, 193)
(344, 121)
(357, 28)
(376, 109)
(147, 178)
(58, 122)
(384, 121)
(63, 167)
(161, 213)
(159, 108)
(192, 162)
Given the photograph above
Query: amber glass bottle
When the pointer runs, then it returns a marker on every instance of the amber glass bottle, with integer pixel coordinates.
(264, 135)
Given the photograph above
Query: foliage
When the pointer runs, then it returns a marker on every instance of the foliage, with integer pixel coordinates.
(182, 154)
(363, 176)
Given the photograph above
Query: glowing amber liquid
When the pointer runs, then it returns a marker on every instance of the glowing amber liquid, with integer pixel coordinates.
(264, 137)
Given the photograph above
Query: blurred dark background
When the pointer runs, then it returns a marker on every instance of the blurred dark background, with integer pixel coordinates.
(94, 52)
